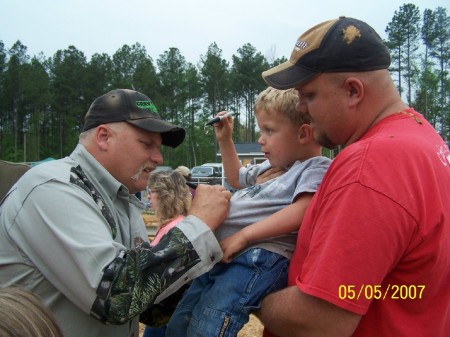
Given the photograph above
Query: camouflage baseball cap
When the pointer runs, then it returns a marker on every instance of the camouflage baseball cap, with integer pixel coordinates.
(135, 108)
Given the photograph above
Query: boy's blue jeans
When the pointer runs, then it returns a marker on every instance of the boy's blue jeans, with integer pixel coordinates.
(219, 302)
(154, 332)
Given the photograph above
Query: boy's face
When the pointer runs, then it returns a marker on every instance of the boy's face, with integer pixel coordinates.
(279, 138)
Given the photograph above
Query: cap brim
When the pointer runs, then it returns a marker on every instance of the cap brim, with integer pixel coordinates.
(171, 134)
(287, 75)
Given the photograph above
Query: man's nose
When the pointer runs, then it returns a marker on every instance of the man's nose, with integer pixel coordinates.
(157, 157)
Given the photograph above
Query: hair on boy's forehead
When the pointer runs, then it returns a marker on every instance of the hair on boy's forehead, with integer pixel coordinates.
(271, 98)
(282, 101)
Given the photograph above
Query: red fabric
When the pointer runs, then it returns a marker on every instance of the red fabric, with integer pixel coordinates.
(382, 218)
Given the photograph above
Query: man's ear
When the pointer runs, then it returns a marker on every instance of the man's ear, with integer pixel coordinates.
(305, 133)
(355, 90)
(102, 136)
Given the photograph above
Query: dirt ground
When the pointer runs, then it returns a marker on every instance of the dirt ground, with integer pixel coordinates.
(253, 328)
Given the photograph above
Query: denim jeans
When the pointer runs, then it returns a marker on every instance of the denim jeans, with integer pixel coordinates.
(154, 332)
(219, 302)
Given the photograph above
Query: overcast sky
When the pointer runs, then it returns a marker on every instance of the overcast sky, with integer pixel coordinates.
(104, 26)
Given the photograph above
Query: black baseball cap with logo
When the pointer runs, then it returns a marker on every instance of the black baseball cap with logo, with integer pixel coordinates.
(124, 105)
(340, 45)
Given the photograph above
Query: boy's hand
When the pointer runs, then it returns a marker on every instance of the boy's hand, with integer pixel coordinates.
(232, 245)
(224, 128)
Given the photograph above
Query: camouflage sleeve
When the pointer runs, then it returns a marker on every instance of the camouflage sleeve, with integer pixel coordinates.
(133, 281)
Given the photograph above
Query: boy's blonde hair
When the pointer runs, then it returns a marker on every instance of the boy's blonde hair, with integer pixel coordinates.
(174, 197)
(283, 101)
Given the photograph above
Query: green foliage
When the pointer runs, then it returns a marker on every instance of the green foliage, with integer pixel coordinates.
(424, 67)
(214, 71)
(43, 99)
(403, 35)
(247, 83)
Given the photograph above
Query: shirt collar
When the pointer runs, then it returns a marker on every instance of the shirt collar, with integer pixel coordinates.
(96, 173)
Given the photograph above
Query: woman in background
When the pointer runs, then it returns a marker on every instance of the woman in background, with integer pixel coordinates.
(170, 200)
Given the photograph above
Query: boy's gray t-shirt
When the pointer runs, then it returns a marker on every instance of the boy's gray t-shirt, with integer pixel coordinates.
(256, 202)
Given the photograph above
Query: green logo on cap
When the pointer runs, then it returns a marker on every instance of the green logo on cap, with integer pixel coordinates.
(146, 105)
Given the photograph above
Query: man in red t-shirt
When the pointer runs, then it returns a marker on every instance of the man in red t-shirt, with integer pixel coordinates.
(373, 250)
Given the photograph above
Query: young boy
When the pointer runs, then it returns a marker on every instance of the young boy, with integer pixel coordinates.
(259, 235)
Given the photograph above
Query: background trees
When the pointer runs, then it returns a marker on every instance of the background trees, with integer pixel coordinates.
(422, 67)
(43, 99)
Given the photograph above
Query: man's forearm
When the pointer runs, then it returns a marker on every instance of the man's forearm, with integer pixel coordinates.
(292, 313)
(136, 277)
(273, 313)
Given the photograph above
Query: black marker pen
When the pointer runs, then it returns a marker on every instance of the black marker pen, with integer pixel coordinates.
(218, 118)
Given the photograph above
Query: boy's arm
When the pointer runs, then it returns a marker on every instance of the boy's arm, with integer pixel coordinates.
(230, 160)
(282, 222)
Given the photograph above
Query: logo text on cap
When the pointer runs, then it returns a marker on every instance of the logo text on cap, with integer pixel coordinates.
(301, 44)
(146, 105)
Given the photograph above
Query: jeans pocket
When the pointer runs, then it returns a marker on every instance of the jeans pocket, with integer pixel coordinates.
(269, 274)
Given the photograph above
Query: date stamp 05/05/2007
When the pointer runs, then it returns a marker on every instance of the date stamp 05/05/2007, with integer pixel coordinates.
(378, 292)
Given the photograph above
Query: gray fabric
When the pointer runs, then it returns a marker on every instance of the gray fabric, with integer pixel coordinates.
(257, 202)
(56, 241)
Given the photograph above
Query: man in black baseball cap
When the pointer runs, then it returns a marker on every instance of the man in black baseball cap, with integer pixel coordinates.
(72, 231)
(380, 222)
(340, 45)
(135, 108)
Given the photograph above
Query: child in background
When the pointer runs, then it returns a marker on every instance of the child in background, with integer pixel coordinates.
(170, 199)
(23, 314)
(186, 173)
(259, 235)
